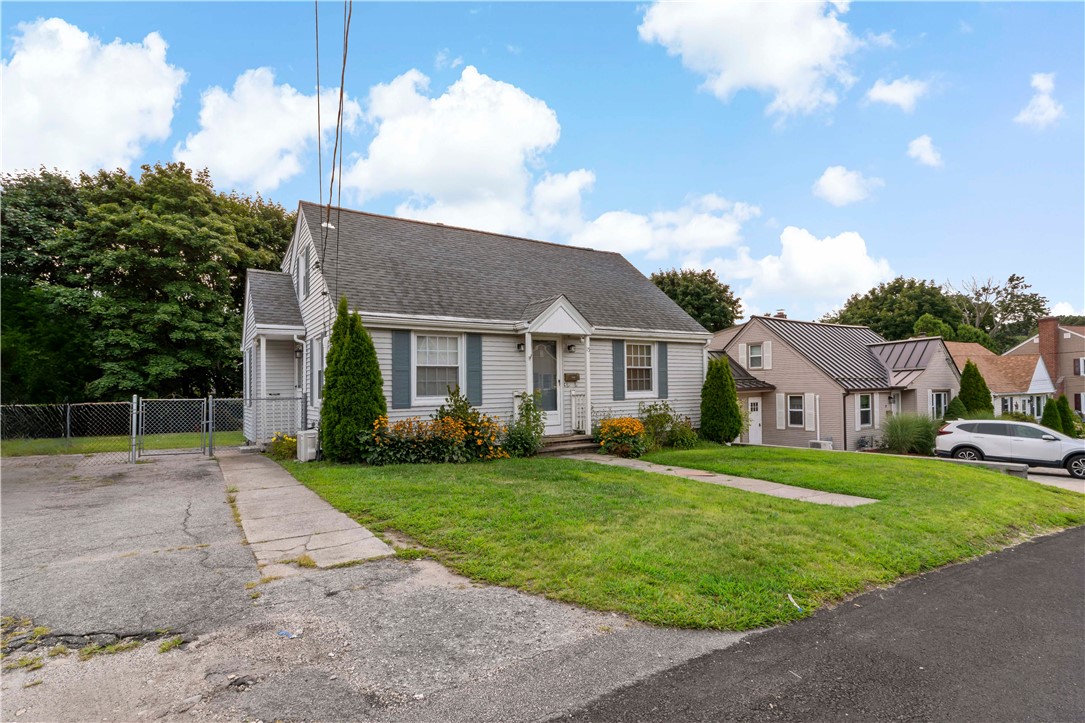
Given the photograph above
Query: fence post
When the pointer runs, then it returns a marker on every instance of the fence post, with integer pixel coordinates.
(132, 453)
(210, 425)
(68, 421)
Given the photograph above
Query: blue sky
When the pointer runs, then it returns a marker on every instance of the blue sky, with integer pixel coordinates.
(768, 142)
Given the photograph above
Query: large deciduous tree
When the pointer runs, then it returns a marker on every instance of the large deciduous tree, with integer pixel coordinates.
(702, 295)
(893, 308)
(1006, 312)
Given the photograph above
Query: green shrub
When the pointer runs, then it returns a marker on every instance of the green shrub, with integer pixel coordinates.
(483, 433)
(353, 389)
(975, 395)
(622, 436)
(1069, 428)
(657, 418)
(415, 441)
(955, 409)
(1051, 417)
(282, 446)
(524, 435)
(683, 435)
(910, 434)
(721, 416)
(1019, 417)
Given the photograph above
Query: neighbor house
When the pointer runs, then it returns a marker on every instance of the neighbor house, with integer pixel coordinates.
(1062, 347)
(493, 315)
(1018, 382)
(834, 383)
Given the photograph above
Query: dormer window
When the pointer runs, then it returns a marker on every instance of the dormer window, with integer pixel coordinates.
(756, 357)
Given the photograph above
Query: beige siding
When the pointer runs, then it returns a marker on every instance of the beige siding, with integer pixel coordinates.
(792, 374)
(939, 376)
(685, 376)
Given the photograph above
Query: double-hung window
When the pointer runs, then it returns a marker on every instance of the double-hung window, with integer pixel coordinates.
(756, 357)
(866, 410)
(939, 402)
(795, 413)
(316, 369)
(437, 365)
(638, 368)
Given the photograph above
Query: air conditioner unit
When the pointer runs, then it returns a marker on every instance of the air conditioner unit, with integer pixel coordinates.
(308, 440)
(814, 444)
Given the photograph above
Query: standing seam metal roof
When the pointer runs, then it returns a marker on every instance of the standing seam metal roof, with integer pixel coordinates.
(399, 266)
(842, 352)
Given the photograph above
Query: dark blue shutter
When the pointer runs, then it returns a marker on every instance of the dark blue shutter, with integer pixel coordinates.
(474, 369)
(662, 361)
(618, 355)
(401, 369)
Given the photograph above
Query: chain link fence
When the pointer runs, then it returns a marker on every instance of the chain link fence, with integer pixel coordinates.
(172, 426)
(102, 431)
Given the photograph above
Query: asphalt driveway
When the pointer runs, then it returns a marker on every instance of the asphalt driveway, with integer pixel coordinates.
(101, 554)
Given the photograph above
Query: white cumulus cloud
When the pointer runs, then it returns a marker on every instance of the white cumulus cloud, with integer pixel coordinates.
(1042, 109)
(795, 51)
(78, 104)
(839, 186)
(902, 92)
(254, 136)
(923, 151)
(1065, 308)
(809, 272)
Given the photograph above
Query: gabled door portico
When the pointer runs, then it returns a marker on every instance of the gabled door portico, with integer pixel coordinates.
(544, 340)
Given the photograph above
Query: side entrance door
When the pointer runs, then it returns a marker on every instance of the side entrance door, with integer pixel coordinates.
(545, 371)
(755, 421)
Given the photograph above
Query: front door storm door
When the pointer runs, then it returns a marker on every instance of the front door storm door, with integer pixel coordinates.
(544, 375)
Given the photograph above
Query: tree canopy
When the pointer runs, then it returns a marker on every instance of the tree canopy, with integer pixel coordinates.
(1006, 312)
(702, 295)
(893, 308)
(153, 270)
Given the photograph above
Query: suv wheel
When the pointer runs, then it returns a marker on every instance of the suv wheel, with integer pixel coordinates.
(968, 453)
(1076, 466)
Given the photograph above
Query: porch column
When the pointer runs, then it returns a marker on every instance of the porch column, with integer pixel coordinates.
(587, 384)
(262, 431)
(527, 362)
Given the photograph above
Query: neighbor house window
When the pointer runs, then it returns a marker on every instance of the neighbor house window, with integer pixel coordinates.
(755, 356)
(939, 400)
(638, 367)
(866, 410)
(316, 369)
(437, 365)
(795, 415)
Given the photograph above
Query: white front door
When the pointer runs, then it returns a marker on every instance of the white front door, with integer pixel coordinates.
(545, 371)
(755, 421)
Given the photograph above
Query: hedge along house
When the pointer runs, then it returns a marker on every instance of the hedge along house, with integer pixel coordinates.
(833, 382)
(494, 315)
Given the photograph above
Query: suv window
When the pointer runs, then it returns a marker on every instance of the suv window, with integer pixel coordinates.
(967, 427)
(993, 428)
(1020, 430)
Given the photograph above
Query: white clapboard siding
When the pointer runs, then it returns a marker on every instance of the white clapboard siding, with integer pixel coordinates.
(280, 368)
(684, 380)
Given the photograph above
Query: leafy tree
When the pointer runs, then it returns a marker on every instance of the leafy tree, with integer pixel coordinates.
(967, 332)
(1005, 311)
(1052, 417)
(930, 325)
(893, 308)
(36, 207)
(701, 295)
(353, 388)
(721, 417)
(975, 394)
(955, 409)
(1068, 320)
(1067, 416)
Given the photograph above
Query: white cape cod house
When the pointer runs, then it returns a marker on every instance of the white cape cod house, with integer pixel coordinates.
(494, 315)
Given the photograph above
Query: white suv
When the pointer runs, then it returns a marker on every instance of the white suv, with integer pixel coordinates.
(1011, 441)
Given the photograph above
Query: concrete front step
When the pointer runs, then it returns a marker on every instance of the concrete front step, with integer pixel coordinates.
(571, 447)
(559, 438)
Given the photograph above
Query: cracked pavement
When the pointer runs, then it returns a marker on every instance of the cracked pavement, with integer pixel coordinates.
(137, 549)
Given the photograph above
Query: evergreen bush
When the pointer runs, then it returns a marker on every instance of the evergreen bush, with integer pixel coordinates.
(1067, 415)
(1052, 417)
(956, 409)
(975, 394)
(353, 389)
(721, 416)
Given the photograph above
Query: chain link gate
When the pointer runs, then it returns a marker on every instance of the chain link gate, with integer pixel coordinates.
(172, 426)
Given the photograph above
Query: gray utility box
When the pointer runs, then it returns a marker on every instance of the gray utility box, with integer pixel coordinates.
(308, 440)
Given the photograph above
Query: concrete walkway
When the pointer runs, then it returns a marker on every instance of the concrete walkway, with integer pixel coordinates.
(763, 487)
(284, 520)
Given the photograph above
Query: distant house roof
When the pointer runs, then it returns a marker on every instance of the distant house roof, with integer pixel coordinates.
(1003, 374)
(723, 337)
(273, 301)
(843, 352)
(398, 266)
(744, 381)
(906, 359)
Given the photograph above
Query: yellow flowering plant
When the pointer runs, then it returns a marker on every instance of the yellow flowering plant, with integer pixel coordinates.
(282, 446)
(622, 436)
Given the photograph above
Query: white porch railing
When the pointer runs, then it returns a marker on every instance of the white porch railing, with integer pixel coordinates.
(580, 411)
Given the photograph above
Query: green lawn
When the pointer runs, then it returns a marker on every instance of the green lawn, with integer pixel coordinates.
(118, 443)
(684, 553)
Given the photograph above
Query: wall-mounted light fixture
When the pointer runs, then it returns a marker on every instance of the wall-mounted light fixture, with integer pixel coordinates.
(571, 348)
(520, 346)
(297, 352)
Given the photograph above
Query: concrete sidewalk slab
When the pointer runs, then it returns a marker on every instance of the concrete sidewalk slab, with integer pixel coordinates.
(284, 520)
(758, 486)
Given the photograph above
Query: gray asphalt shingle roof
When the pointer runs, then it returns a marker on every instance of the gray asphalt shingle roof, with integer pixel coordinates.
(392, 265)
(273, 299)
(843, 352)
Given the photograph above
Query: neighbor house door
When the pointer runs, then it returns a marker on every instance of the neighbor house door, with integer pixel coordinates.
(545, 368)
(755, 421)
